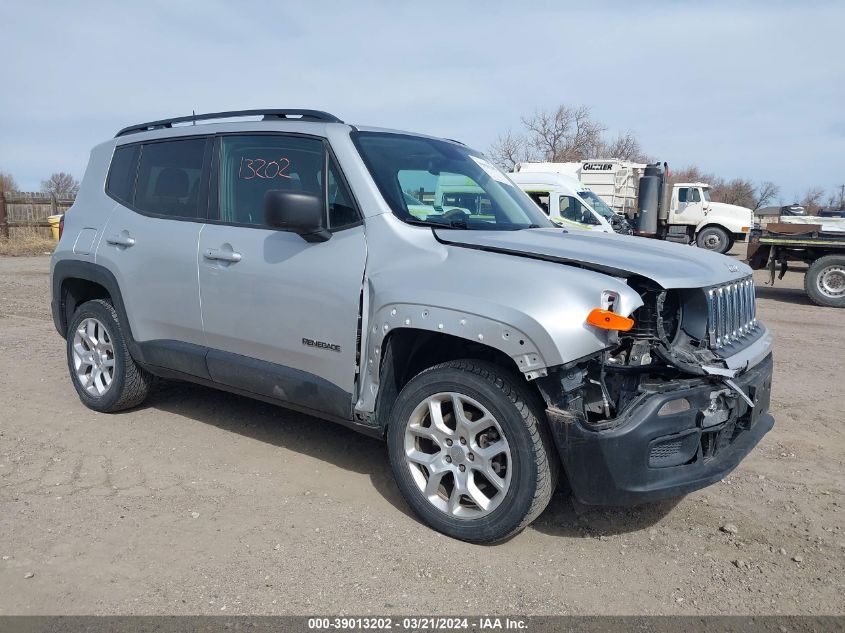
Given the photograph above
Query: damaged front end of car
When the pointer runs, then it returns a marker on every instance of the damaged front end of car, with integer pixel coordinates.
(672, 404)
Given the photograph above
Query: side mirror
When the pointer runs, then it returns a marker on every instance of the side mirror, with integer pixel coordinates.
(297, 212)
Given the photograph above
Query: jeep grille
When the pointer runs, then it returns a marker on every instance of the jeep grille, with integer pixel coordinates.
(732, 312)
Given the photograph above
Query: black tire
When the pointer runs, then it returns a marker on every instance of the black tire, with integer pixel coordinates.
(828, 297)
(534, 462)
(714, 238)
(130, 383)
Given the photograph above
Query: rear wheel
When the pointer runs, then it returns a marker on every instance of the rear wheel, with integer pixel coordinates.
(824, 281)
(714, 238)
(470, 451)
(102, 370)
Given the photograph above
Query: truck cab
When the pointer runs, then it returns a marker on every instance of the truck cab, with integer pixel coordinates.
(570, 204)
(713, 225)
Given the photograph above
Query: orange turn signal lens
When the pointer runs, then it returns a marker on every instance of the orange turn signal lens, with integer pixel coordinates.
(607, 320)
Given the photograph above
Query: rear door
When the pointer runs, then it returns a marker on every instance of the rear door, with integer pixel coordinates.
(150, 241)
(281, 314)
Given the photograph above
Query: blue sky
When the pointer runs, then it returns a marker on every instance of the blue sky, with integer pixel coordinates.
(741, 89)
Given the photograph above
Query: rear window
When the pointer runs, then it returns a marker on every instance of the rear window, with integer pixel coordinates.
(170, 178)
(124, 167)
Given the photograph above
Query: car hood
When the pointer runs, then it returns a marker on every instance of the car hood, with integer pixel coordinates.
(731, 209)
(668, 264)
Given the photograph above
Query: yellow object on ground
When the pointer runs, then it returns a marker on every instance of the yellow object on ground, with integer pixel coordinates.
(54, 225)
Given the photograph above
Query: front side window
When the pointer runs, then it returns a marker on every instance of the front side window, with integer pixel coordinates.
(599, 205)
(706, 194)
(250, 166)
(572, 209)
(468, 191)
(694, 195)
(170, 178)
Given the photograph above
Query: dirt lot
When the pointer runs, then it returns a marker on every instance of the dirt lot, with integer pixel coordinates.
(203, 502)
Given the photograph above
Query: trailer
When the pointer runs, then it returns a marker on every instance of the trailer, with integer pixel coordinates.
(812, 243)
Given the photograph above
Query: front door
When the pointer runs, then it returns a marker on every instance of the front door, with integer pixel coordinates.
(280, 314)
(690, 209)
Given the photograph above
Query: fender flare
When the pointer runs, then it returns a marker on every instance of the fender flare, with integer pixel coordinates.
(393, 316)
(74, 269)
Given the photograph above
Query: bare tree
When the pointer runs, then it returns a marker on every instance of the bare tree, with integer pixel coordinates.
(766, 193)
(569, 133)
(7, 182)
(836, 200)
(564, 134)
(508, 150)
(738, 191)
(626, 147)
(60, 184)
(812, 200)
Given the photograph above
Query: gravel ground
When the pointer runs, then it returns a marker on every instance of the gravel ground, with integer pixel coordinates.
(202, 502)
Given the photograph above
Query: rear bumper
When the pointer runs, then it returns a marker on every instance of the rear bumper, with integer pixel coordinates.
(649, 456)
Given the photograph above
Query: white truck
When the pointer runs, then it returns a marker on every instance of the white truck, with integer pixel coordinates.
(682, 212)
(569, 203)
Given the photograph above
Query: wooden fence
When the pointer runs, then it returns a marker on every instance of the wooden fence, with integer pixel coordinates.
(22, 212)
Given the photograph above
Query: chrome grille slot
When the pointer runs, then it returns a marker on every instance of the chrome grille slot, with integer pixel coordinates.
(731, 312)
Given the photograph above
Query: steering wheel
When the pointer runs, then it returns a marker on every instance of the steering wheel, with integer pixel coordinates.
(456, 214)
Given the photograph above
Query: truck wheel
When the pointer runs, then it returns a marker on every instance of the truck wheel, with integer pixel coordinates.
(824, 281)
(714, 238)
(470, 451)
(102, 370)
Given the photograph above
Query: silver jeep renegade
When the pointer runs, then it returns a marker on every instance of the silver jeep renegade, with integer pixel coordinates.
(402, 285)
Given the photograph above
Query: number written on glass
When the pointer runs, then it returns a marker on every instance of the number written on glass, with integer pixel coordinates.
(251, 168)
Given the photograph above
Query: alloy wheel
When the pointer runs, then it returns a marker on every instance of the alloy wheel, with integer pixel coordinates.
(93, 357)
(458, 455)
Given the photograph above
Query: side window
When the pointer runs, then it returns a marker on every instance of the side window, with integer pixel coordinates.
(682, 194)
(694, 195)
(570, 209)
(170, 177)
(252, 165)
(341, 208)
(541, 199)
(122, 172)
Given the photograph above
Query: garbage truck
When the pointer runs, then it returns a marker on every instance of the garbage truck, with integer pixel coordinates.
(678, 212)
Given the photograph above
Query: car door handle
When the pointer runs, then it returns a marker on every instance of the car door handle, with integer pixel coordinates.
(221, 255)
(121, 239)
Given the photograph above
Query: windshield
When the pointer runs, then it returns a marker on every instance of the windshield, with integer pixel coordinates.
(706, 194)
(468, 191)
(597, 203)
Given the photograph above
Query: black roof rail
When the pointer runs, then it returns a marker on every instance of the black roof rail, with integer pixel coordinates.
(269, 115)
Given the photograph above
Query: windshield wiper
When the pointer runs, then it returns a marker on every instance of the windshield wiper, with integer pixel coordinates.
(452, 224)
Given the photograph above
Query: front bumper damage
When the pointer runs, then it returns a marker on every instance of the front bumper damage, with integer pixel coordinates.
(675, 437)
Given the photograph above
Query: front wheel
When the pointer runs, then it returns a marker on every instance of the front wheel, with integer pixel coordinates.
(470, 451)
(714, 238)
(824, 281)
